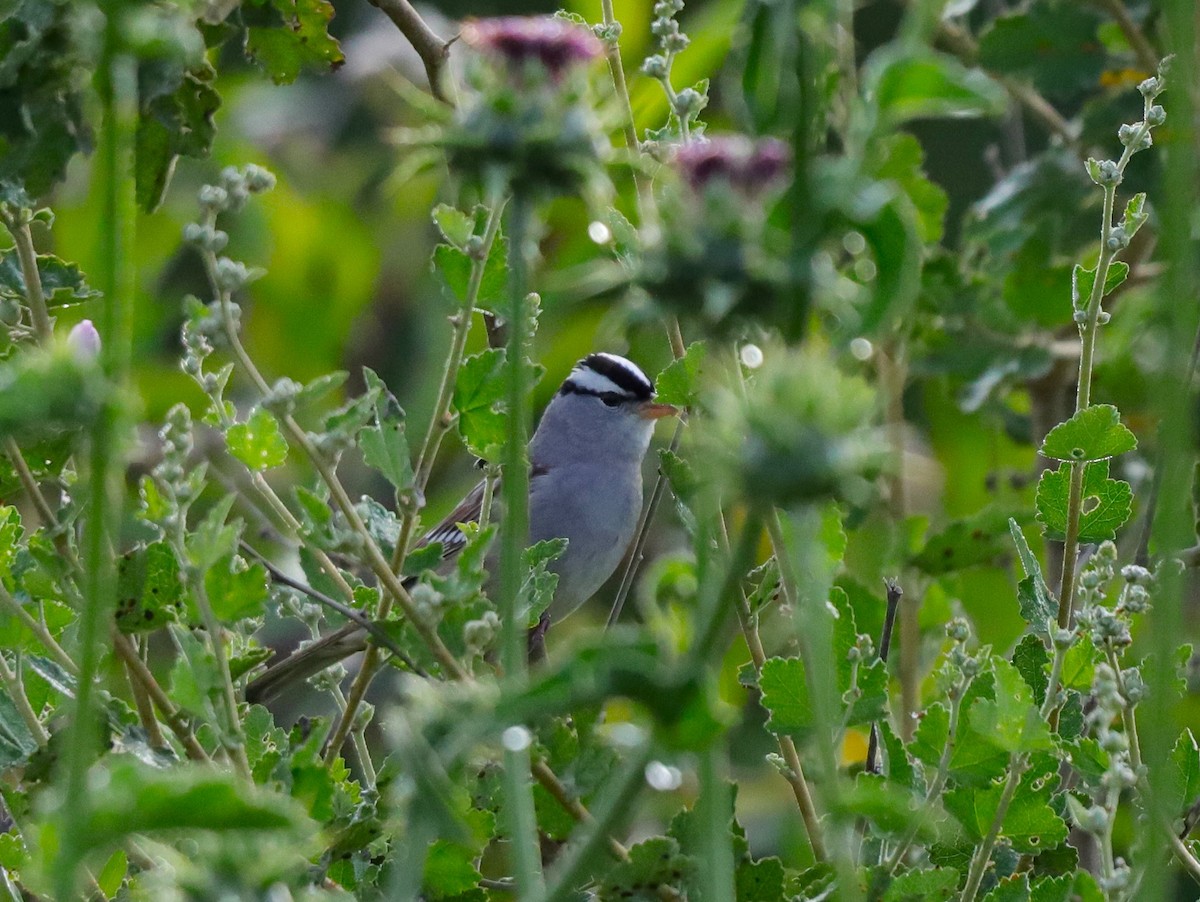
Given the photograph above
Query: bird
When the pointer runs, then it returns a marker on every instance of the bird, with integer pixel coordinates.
(585, 486)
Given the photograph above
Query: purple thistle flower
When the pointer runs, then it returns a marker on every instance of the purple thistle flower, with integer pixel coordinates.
(749, 166)
(84, 341)
(555, 43)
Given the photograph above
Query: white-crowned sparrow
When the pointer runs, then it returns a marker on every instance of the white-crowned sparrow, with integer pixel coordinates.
(585, 486)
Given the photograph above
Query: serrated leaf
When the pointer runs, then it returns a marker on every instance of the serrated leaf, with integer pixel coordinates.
(1083, 282)
(1094, 433)
(1107, 503)
(478, 391)
(1183, 774)
(1135, 214)
(62, 283)
(1013, 888)
(1012, 721)
(1055, 45)
(925, 885)
(284, 36)
(16, 742)
(455, 226)
(1079, 664)
(149, 588)
(932, 733)
(453, 267)
(1030, 823)
(678, 383)
(176, 118)
(236, 593)
(258, 442)
(385, 445)
(785, 695)
(1031, 659)
(1036, 603)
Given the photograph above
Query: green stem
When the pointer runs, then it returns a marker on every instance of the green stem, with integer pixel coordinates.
(234, 739)
(1128, 717)
(116, 83)
(575, 864)
(39, 630)
(43, 326)
(514, 536)
(11, 678)
(1083, 395)
(712, 811)
(983, 852)
(939, 780)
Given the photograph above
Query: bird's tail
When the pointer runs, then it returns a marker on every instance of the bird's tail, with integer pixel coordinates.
(308, 661)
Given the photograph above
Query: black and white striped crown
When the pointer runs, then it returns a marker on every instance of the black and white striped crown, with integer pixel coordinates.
(607, 374)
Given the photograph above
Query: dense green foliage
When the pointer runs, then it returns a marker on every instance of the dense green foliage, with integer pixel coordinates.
(907, 616)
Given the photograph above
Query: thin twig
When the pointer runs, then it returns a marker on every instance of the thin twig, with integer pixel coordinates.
(170, 714)
(894, 594)
(1147, 56)
(11, 677)
(43, 326)
(433, 51)
(381, 636)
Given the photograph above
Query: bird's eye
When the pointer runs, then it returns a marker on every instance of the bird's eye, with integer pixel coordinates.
(610, 399)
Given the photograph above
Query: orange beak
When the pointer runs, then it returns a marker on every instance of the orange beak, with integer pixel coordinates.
(651, 411)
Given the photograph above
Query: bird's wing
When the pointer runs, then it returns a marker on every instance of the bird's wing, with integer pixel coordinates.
(467, 511)
(447, 532)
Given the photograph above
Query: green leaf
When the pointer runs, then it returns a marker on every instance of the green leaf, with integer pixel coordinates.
(1054, 44)
(1094, 433)
(978, 539)
(932, 733)
(1011, 722)
(1135, 215)
(903, 159)
(1083, 282)
(384, 445)
(1183, 774)
(283, 36)
(176, 118)
(537, 591)
(1013, 888)
(149, 588)
(62, 283)
(136, 798)
(760, 881)
(449, 869)
(16, 742)
(678, 383)
(1079, 664)
(925, 885)
(1030, 823)
(453, 267)
(258, 442)
(1037, 608)
(236, 593)
(1107, 503)
(212, 538)
(652, 862)
(455, 226)
(1031, 659)
(785, 695)
(478, 391)
(908, 84)
(899, 768)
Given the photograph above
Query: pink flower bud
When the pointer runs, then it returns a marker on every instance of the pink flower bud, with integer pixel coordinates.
(555, 43)
(84, 341)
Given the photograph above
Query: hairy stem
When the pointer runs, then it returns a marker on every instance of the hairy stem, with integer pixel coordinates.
(514, 536)
(116, 83)
(234, 739)
(11, 677)
(983, 852)
(171, 715)
(43, 327)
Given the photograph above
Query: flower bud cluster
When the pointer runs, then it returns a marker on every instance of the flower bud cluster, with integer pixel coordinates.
(479, 635)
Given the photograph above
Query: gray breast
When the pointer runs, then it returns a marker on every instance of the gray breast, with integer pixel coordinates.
(597, 514)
